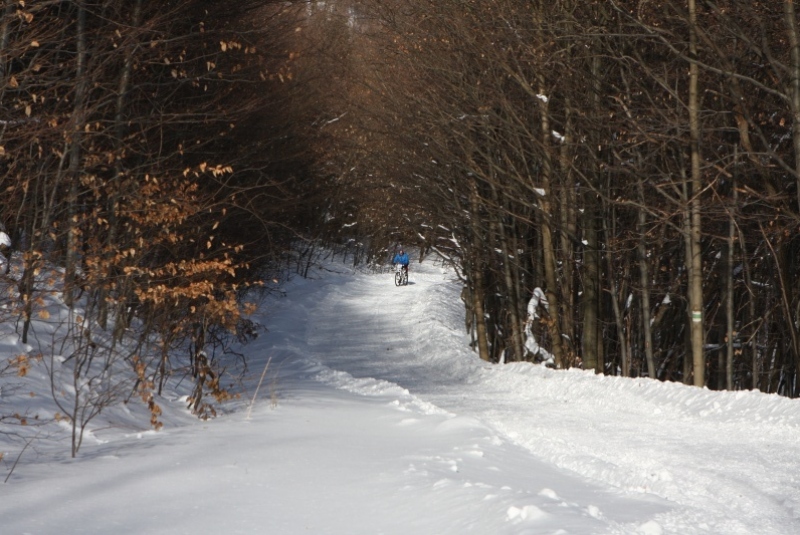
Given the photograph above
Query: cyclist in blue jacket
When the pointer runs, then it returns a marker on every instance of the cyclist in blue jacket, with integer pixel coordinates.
(401, 258)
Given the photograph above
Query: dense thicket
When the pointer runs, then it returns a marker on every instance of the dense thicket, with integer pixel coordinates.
(159, 153)
(638, 161)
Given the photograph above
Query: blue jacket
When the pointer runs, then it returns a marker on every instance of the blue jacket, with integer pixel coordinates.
(401, 259)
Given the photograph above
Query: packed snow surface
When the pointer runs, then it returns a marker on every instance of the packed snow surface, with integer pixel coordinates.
(375, 417)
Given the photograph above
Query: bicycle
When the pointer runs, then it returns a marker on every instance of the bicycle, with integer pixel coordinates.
(400, 275)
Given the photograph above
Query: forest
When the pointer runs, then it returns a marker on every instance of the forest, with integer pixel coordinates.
(634, 162)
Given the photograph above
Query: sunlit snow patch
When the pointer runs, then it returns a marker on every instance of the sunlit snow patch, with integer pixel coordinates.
(525, 513)
(650, 528)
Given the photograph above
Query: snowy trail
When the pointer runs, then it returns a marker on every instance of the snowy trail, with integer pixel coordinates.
(339, 454)
(375, 418)
(354, 341)
(728, 463)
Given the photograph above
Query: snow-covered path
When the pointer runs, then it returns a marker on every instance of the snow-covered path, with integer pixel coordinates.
(727, 463)
(376, 419)
(399, 346)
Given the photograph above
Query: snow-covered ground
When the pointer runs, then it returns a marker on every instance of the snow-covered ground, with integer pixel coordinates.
(375, 418)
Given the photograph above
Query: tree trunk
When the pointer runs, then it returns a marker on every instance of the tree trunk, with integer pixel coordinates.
(790, 19)
(729, 309)
(784, 276)
(548, 247)
(695, 260)
(75, 154)
(750, 344)
(591, 342)
(8, 11)
(517, 351)
(644, 279)
(119, 133)
(568, 214)
(478, 297)
(615, 297)
(591, 288)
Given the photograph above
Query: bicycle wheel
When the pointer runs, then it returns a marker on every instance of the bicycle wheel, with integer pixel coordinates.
(398, 278)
